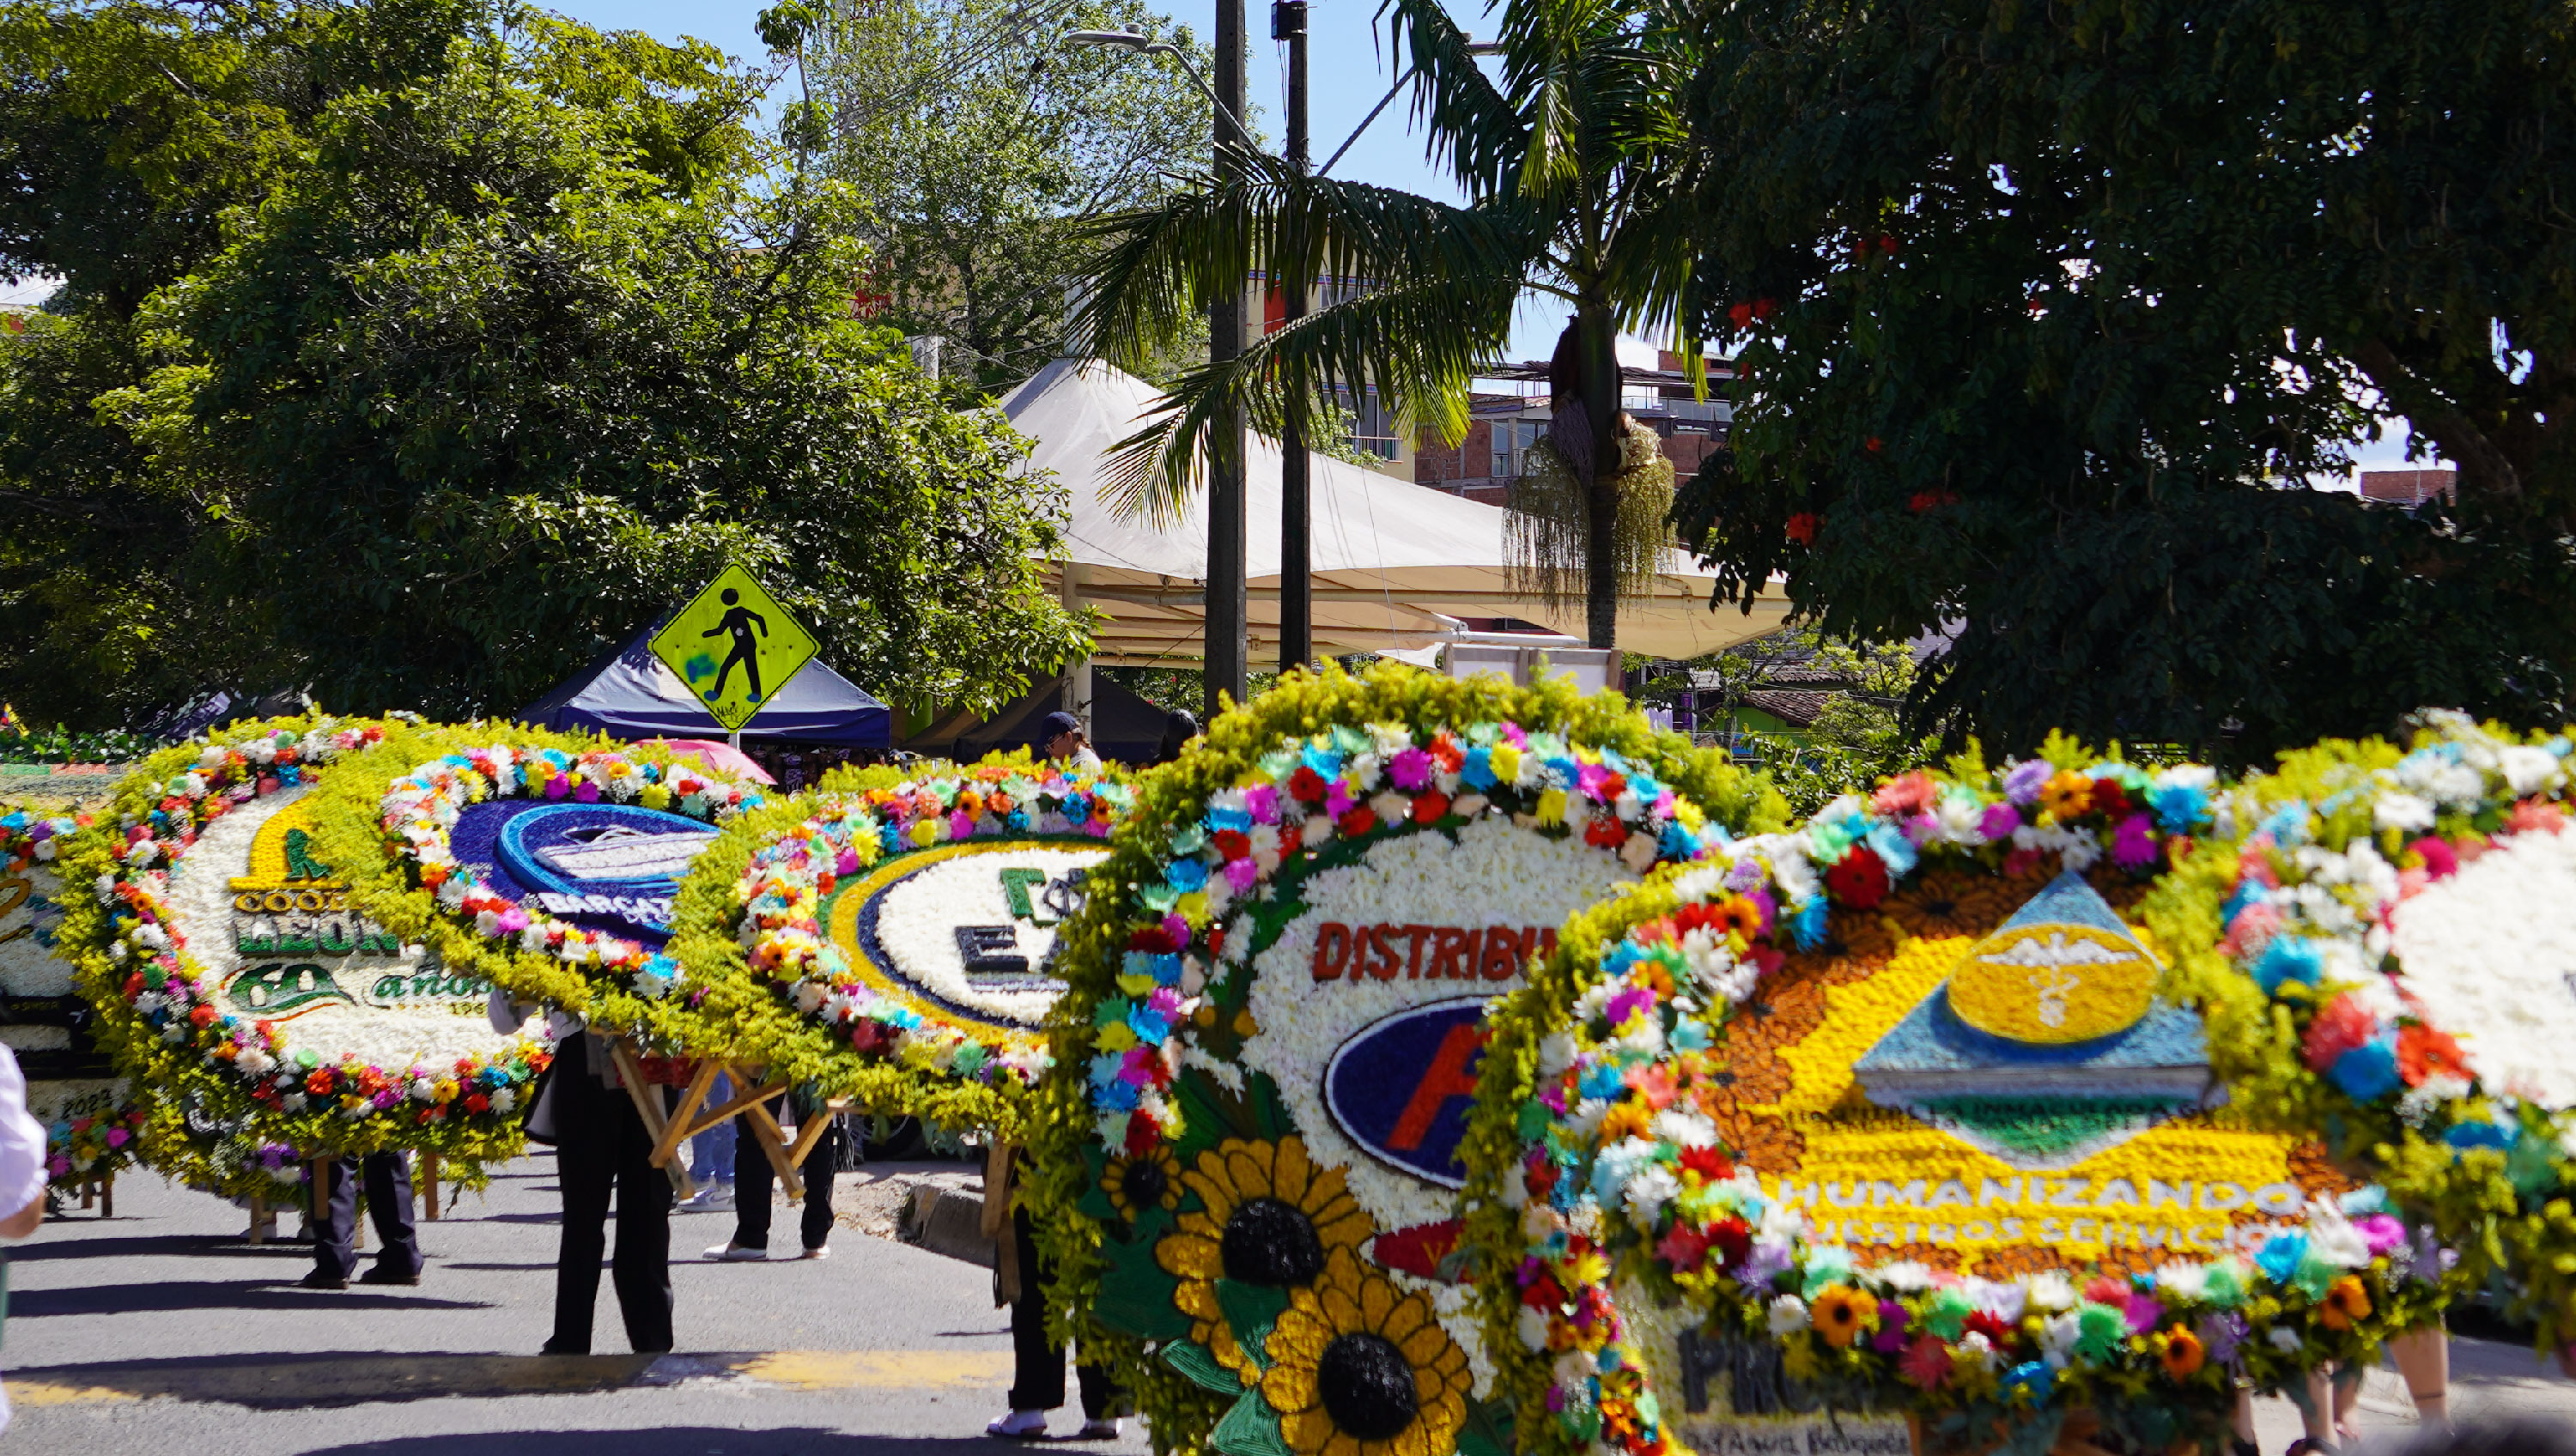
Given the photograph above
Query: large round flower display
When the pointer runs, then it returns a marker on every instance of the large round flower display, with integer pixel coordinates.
(90, 1119)
(1899, 1112)
(2397, 921)
(891, 936)
(232, 974)
(1282, 1002)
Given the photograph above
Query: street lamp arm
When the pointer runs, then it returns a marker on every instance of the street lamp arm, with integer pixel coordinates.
(1135, 44)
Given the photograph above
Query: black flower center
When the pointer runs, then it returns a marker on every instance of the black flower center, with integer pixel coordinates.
(1145, 1183)
(1940, 907)
(1367, 1386)
(1273, 1243)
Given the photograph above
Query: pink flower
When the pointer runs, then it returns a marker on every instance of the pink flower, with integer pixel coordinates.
(1262, 801)
(1926, 1363)
(1905, 794)
(558, 787)
(1998, 822)
(2439, 862)
(117, 1137)
(58, 1164)
(2342, 1026)
(1240, 873)
(1411, 769)
(586, 792)
(2535, 815)
(2252, 929)
(2143, 1313)
(961, 825)
(2381, 1232)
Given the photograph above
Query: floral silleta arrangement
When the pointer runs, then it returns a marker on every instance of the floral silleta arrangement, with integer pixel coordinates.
(1244, 1151)
(1895, 1113)
(2395, 929)
(97, 1140)
(230, 977)
(543, 862)
(778, 930)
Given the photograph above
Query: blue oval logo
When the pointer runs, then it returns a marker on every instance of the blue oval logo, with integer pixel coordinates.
(1401, 1089)
(611, 866)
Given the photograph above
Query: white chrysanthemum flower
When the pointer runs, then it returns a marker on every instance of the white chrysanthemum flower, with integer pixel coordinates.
(2051, 1290)
(1556, 1052)
(1531, 1327)
(2183, 1283)
(1905, 1277)
(1685, 1128)
(1647, 1191)
(2057, 1337)
(1787, 1315)
(2402, 812)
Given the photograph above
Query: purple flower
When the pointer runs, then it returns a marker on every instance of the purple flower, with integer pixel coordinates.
(1744, 876)
(1919, 828)
(2021, 785)
(1411, 769)
(1998, 822)
(2221, 1333)
(1762, 1263)
(1262, 801)
(2144, 1313)
(1891, 1328)
(1631, 999)
(1240, 873)
(2133, 844)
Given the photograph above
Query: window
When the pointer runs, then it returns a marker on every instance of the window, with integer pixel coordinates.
(1512, 442)
(1373, 426)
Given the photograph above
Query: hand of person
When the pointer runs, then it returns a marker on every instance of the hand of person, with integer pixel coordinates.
(22, 1223)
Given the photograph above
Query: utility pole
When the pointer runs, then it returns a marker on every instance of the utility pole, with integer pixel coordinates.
(1296, 493)
(1228, 642)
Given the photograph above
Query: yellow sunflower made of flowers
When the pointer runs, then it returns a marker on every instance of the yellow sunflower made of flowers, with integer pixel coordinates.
(1140, 1184)
(1268, 1216)
(1359, 1368)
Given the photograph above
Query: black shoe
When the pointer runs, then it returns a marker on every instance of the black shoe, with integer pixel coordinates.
(319, 1280)
(380, 1274)
(552, 1347)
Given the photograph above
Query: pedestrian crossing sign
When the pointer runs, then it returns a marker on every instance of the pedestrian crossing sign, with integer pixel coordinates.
(734, 647)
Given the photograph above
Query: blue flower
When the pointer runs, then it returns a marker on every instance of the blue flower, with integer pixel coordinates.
(1117, 1097)
(1478, 771)
(1238, 820)
(1894, 848)
(2280, 1255)
(1808, 925)
(2288, 958)
(2467, 1135)
(1105, 1068)
(2179, 807)
(1150, 1026)
(1186, 875)
(2289, 823)
(2248, 891)
(1603, 1080)
(2368, 1072)
(1324, 761)
(2031, 1379)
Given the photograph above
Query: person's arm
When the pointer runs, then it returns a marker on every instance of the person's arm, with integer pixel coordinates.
(22, 1154)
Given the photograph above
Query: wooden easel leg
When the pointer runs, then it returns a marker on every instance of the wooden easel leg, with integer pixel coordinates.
(89, 1192)
(630, 1071)
(675, 1131)
(429, 1186)
(258, 1219)
(107, 1196)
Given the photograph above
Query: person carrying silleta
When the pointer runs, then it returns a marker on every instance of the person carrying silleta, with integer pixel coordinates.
(755, 1181)
(1020, 1280)
(335, 1220)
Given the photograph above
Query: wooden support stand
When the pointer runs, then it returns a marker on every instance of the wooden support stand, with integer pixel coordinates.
(687, 1121)
(429, 1186)
(258, 1219)
(630, 1071)
(107, 1196)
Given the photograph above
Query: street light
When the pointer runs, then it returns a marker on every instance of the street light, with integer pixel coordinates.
(1135, 44)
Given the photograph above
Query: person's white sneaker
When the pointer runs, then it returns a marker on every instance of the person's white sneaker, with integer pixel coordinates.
(731, 1253)
(719, 1197)
(823, 1252)
(1019, 1426)
(1108, 1430)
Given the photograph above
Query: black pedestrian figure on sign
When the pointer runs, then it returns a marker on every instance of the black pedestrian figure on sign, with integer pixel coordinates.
(738, 620)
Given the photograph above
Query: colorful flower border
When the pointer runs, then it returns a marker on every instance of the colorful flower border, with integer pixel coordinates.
(767, 983)
(1633, 1007)
(2286, 927)
(389, 813)
(1142, 1137)
(156, 1017)
(78, 1150)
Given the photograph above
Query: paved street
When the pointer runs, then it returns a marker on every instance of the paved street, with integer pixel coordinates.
(161, 1331)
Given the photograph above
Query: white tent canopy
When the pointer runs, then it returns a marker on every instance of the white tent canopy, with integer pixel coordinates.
(1394, 564)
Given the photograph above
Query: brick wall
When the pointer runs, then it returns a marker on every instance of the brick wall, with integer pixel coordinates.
(2408, 487)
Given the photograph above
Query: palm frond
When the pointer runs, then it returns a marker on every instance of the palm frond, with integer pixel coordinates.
(1472, 126)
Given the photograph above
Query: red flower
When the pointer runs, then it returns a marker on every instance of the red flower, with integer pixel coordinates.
(2109, 798)
(319, 1084)
(1357, 822)
(1153, 940)
(1142, 1134)
(1305, 785)
(1887, 242)
(1741, 315)
(1543, 1292)
(1732, 1238)
(1999, 1333)
(1763, 308)
(1605, 832)
(1802, 527)
(2343, 1025)
(1931, 500)
(1430, 807)
(477, 1102)
(1858, 879)
(1873, 445)
(1233, 843)
(1711, 1164)
(202, 1015)
(1683, 1247)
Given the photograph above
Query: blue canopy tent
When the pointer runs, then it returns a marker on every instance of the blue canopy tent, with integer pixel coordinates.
(630, 693)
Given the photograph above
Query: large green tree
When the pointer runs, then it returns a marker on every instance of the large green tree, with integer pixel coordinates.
(1570, 161)
(523, 344)
(2049, 315)
(982, 149)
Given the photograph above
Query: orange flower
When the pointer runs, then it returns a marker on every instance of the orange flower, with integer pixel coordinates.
(1843, 1315)
(1737, 915)
(2423, 1052)
(2182, 1353)
(2346, 1303)
(2066, 795)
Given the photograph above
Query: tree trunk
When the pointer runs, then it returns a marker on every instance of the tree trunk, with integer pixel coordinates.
(1597, 345)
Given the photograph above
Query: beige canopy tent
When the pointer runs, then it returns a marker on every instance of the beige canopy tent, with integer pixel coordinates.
(1395, 564)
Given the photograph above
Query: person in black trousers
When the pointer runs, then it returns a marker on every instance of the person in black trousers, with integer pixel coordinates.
(600, 1143)
(754, 1182)
(335, 1204)
(1020, 1280)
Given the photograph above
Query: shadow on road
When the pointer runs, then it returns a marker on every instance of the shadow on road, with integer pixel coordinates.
(674, 1441)
(174, 1295)
(62, 1244)
(273, 1381)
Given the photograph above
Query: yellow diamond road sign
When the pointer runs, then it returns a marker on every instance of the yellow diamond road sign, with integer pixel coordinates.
(734, 647)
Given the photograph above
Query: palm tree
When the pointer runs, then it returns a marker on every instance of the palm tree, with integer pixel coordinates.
(1574, 163)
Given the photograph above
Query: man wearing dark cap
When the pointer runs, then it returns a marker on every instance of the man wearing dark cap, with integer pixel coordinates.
(1067, 744)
